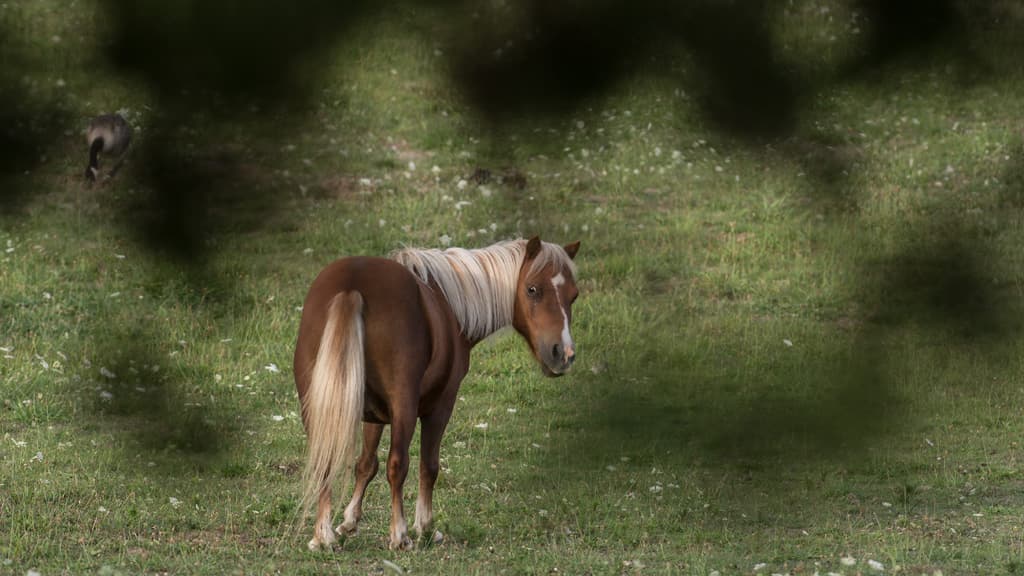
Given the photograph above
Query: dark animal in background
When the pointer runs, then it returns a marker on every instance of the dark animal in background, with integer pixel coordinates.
(387, 341)
(109, 134)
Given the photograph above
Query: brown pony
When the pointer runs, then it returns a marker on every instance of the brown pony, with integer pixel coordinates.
(387, 341)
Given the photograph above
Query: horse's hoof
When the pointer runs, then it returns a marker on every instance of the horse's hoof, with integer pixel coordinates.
(347, 529)
(431, 537)
(322, 540)
(405, 543)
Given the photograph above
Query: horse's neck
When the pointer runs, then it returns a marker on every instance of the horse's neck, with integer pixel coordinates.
(460, 334)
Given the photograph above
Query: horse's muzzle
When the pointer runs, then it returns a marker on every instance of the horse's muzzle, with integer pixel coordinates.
(558, 360)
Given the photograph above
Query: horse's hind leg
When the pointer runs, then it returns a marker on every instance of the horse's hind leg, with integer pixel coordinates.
(366, 469)
(430, 465)
(403, 424)
(322, 535)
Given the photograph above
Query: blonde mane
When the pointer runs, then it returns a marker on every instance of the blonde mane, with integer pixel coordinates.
(480, 284)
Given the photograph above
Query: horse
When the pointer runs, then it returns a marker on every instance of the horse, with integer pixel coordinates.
(387, 341)
(110, 134)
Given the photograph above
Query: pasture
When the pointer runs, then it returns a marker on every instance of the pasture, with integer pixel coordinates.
(771, 377)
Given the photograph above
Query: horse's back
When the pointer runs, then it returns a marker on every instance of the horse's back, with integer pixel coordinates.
(377, 279)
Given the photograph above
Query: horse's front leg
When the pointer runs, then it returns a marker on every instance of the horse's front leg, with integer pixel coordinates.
(430, 464)
(402, 426)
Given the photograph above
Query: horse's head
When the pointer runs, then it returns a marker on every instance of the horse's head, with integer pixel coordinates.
(543, 309)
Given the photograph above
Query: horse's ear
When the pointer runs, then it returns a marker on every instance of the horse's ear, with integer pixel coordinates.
(533, 248)
(572, 249)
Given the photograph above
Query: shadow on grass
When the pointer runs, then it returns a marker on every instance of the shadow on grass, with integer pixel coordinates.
(748, 396)
(31, 125)
(147, 397)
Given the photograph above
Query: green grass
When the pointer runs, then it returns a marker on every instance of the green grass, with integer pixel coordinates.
(748, 390)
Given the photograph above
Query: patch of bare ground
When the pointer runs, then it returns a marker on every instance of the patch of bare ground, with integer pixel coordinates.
(341, 187)
(289, 468)
(405, 152)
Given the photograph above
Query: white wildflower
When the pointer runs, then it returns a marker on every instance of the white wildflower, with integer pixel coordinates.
(462, 185)
(272, 368)
(445, 239)
(107, 373)
(481, 426)
(787, 342)
(277, 418)
(37, 458)
(847, 560)
(876, 565)
(107, 396)
(174, 501)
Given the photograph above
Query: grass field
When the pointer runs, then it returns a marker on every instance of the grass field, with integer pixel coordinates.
(755, 391)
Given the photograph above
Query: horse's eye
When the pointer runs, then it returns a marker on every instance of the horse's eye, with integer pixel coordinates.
(531, 290)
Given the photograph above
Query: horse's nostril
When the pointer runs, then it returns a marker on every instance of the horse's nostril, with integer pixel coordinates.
(556, 351)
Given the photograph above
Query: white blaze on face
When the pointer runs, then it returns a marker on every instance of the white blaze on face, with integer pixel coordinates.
(556, 281)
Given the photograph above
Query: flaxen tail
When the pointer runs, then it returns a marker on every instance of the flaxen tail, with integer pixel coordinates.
(333, 405)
